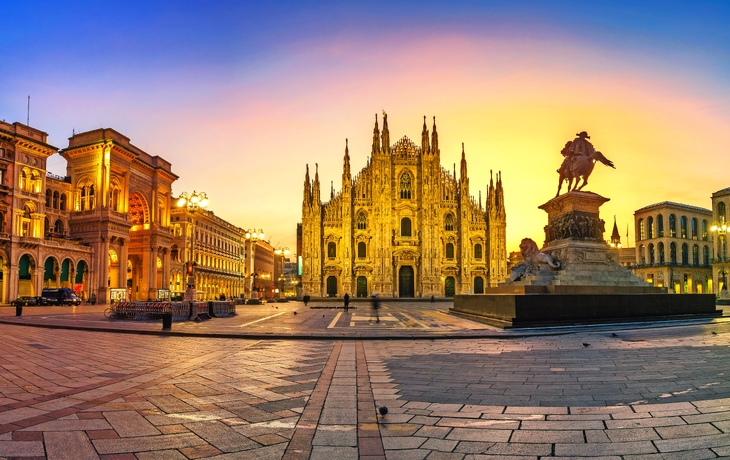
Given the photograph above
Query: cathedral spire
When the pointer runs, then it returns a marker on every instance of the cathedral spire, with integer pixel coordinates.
(376, 137)
(307, 187)
(615, 237)
(434, 138)
(463, 163)
(424, 138)
(386, 134)
(316, 197)
(346, 164)
(500, 197)
(332, 189)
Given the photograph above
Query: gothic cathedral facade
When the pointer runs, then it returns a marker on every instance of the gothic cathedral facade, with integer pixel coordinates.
(402, 227)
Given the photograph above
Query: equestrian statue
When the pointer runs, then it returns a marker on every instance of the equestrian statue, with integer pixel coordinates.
(580, 158)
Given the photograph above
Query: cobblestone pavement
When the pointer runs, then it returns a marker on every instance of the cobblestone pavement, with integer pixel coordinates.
(619, 394)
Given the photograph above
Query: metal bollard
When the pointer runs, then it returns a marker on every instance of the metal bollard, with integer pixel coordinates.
(167, 321)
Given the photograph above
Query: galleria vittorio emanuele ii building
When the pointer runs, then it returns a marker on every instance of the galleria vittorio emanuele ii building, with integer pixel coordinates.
(403, 226)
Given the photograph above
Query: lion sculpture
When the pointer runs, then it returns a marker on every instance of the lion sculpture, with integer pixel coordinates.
(532, 258)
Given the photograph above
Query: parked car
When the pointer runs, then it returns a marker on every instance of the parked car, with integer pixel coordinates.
(61, 296)
(25, 300)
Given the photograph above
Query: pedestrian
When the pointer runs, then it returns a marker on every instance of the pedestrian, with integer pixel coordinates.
(306, 299)
(433, 299)
(375, 307)
(347, 301)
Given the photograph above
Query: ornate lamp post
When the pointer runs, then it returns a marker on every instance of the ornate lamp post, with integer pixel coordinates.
(721, 230)
(282, 252)
(252, 236)
(194, 202)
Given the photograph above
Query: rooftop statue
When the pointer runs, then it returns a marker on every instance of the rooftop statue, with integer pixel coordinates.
(580, 158)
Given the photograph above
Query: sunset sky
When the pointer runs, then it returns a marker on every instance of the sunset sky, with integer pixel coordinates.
(240, 96)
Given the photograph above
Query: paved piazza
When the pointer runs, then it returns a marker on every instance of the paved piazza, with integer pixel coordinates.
(615, 392)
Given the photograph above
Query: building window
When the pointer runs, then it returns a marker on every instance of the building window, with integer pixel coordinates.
(673, 253)
(362, 221)
(685, 254)
(55, 200)
(695, 255)
(23, 179)
(477, 251)
(58, 227)
(449, 251)
(361, 250)
(694, 228)
(651, 254)
(405, 227)
(449, 222)
(704, 230)
(660, 249)
(650, 227)
(405, 186)
(660, 225)
(331, 250)
(672, 226)
(683, 227)
(721, 212)
(642, 233)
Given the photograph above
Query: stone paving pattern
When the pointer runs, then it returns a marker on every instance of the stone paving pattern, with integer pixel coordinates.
(627, 393)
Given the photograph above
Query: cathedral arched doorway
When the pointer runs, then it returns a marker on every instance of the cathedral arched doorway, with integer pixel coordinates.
(449, 286)
(362, 286)
(406, 281)
(478, 285)
(332, 286)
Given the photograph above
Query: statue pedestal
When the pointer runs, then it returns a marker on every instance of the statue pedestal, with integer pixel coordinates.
(590, 286)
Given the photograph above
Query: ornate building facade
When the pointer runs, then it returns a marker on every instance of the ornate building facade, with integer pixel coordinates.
(403, 226)
(36, 249)
(673, 247)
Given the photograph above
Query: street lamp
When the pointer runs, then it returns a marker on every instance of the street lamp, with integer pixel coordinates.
(252, 236)
(282, 252)
(721, 230)
(193, 202)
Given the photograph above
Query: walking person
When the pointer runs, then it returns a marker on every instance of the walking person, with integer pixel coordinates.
(305, 299)
(347, 301)
(375, 308)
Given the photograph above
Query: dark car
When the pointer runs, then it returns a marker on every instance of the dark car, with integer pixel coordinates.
(25, 300)
(61, 296)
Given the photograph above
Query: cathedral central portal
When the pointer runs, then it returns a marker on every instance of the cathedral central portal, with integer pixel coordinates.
(402, 226)
(406, 282)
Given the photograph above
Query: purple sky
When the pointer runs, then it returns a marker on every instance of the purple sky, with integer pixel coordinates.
(239, 96)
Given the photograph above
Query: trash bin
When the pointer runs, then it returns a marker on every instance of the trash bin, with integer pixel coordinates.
(167, 321)
(18, 310)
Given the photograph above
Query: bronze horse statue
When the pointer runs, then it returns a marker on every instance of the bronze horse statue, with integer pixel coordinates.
(577, 167)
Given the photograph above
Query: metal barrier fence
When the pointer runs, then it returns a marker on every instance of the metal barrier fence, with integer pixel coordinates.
(154, 310)
(222, 309)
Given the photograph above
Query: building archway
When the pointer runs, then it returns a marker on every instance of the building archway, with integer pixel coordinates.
(406, 281)
(449, 286)
(478, 285)
(49, 273)
(82, 272)
(66, 268)
(362, 286)
(26, 265)
(331, 286)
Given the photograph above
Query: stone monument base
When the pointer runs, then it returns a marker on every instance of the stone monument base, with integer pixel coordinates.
(537, 306)
(588, 285)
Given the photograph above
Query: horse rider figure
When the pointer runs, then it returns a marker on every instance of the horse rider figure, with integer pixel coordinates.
(580, 157)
